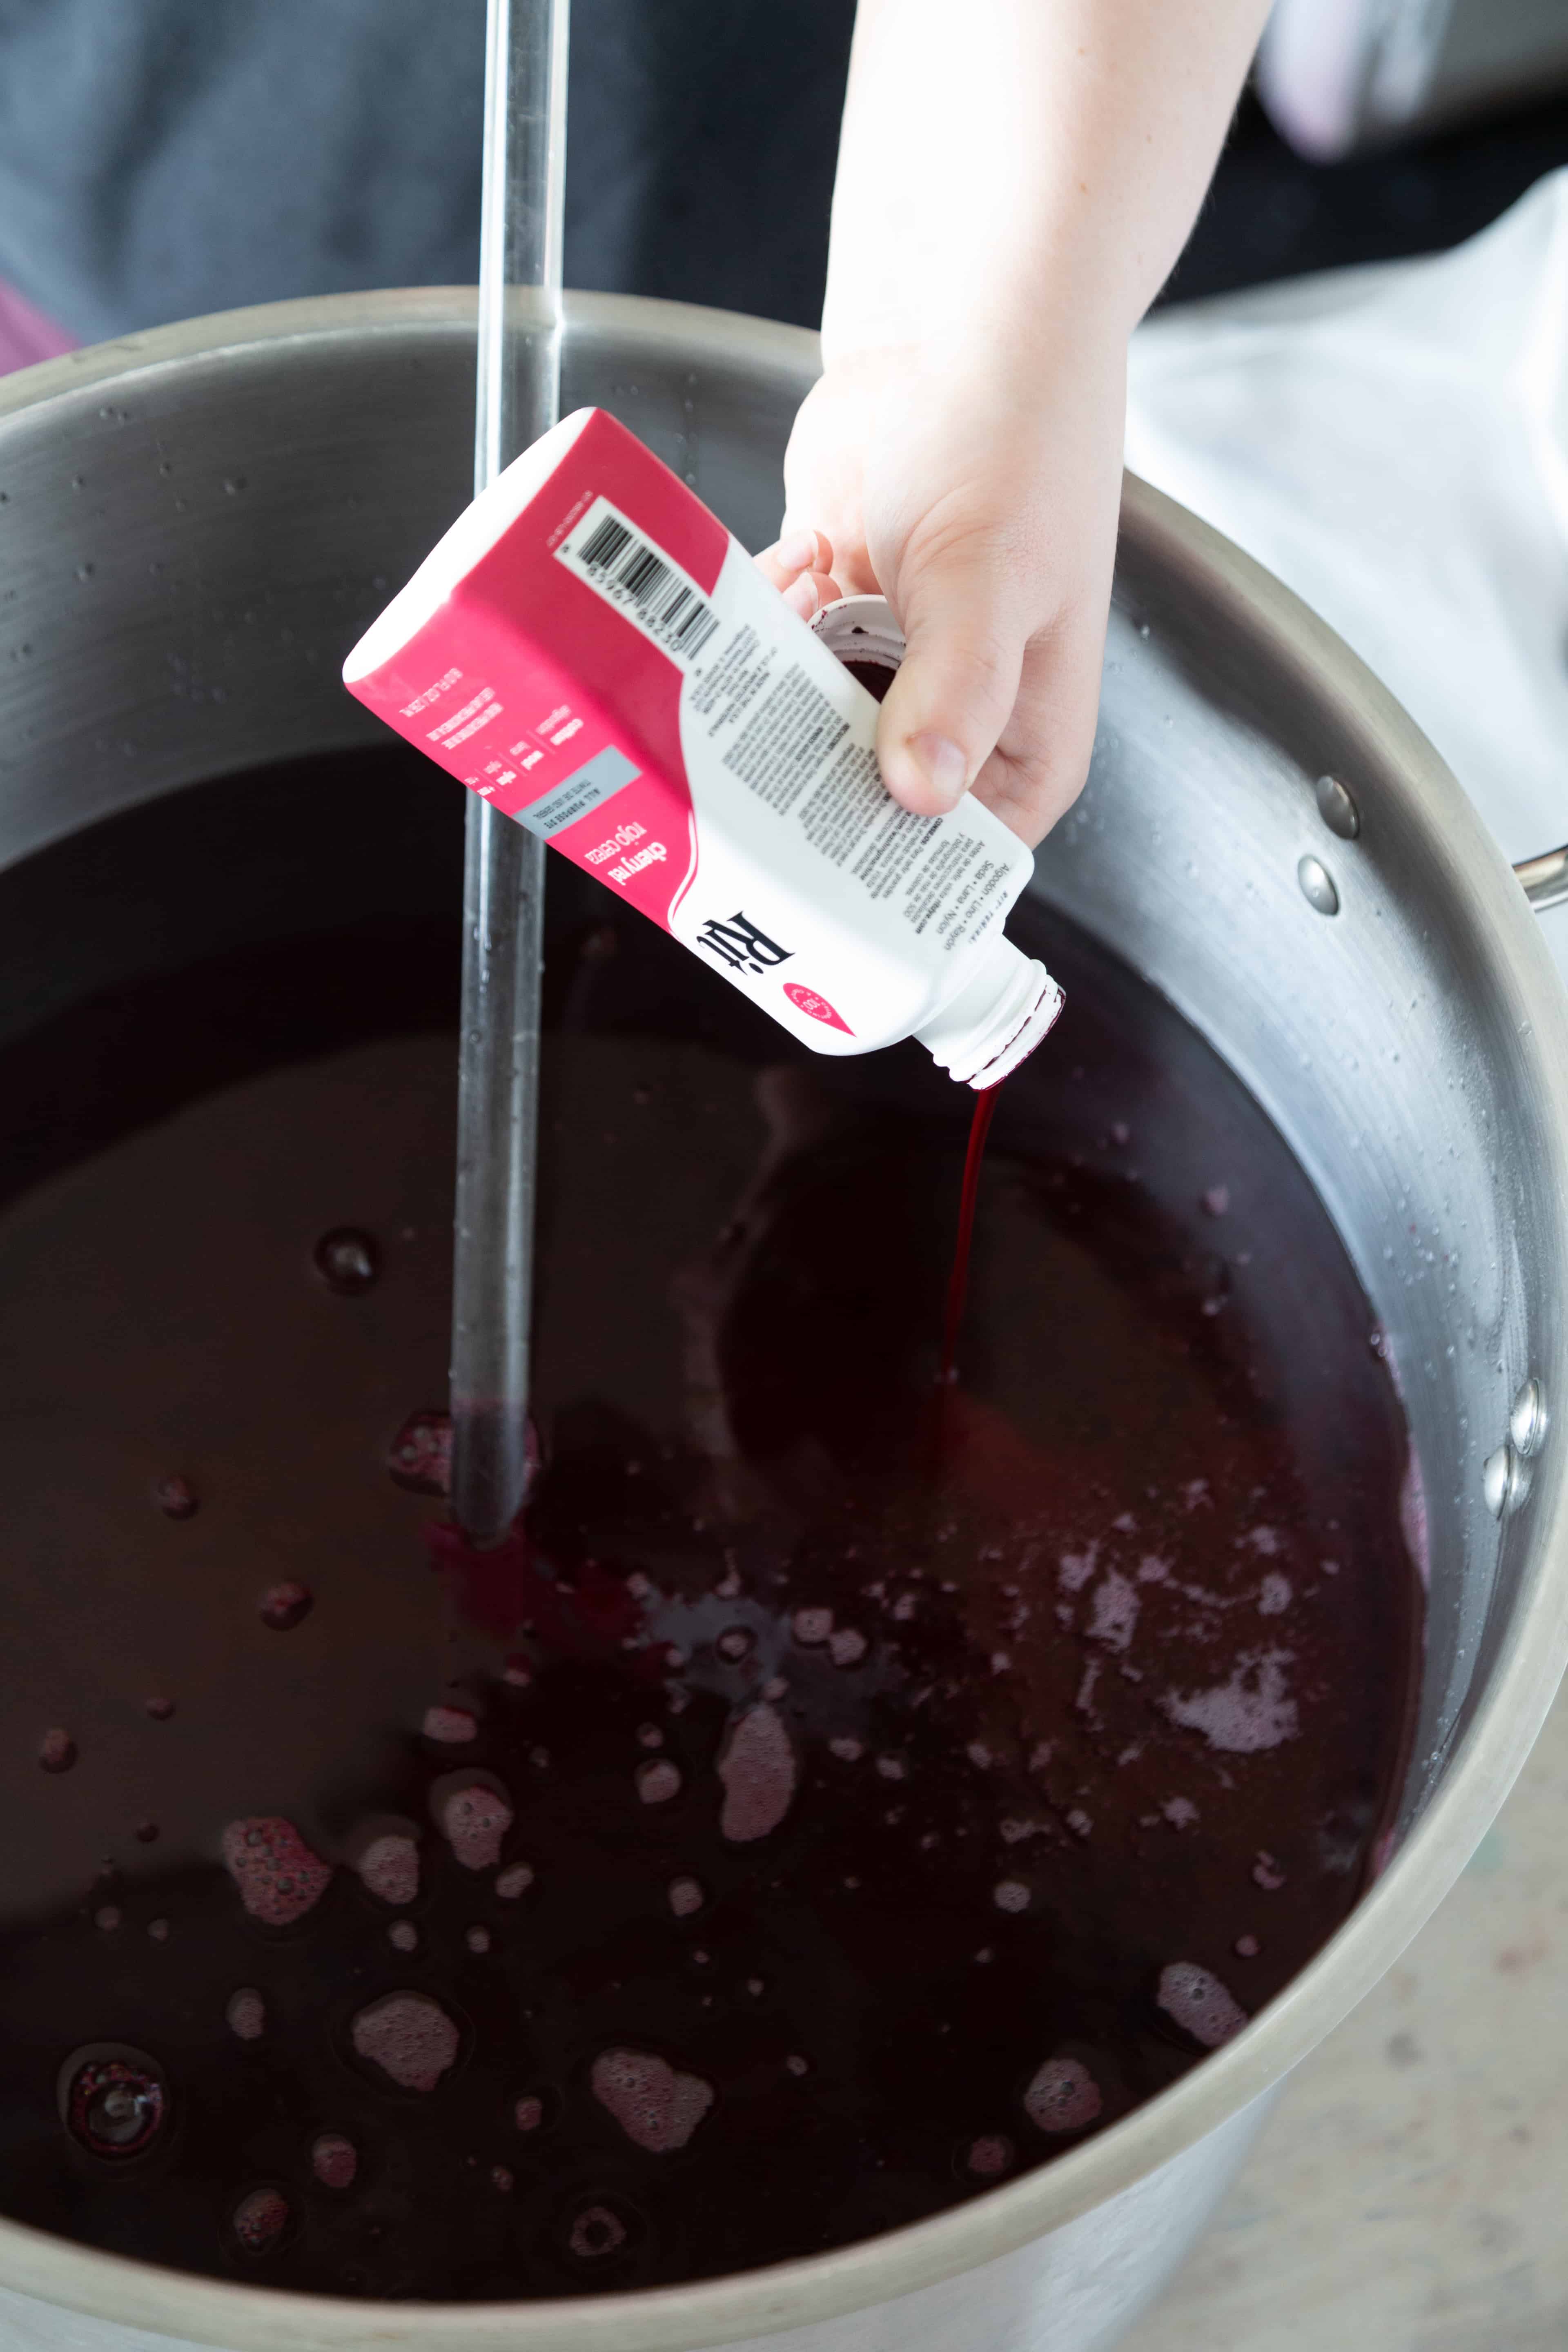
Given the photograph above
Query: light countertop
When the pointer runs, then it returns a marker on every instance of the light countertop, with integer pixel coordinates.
(1411, 2192)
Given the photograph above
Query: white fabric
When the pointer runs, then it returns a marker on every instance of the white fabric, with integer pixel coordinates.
(1393, 442)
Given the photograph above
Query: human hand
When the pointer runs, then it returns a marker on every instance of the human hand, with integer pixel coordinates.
(980, 499)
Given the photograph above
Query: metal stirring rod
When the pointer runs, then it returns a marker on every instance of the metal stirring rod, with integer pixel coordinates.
(519, 394)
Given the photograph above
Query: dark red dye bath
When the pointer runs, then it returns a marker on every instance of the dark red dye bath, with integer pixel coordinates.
(800, 1825)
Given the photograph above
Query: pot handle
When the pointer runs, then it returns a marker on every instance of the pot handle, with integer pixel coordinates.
(1545, 878)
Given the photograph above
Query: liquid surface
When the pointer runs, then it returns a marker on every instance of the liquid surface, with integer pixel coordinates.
(847, 1793)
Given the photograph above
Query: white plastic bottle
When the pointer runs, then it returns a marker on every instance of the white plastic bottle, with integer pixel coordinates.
(590, 649)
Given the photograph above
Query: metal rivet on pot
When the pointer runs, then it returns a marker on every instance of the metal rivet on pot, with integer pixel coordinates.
(1336, 808)
(1505, 1481)
(1318, 885)
(1527, 1422)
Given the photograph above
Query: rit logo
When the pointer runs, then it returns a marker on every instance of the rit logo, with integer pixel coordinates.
(739, 944)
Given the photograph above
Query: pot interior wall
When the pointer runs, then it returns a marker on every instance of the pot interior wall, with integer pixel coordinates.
(194, 544)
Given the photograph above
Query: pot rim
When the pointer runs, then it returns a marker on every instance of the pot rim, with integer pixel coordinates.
(1486, 1761)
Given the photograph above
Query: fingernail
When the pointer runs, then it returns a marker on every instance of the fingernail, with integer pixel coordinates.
(797, 553)
(943, 765)
(801, 596)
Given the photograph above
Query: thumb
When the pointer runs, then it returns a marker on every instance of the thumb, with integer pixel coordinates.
(966, 632)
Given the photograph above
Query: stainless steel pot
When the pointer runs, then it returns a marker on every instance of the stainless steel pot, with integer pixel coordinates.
(197, 522)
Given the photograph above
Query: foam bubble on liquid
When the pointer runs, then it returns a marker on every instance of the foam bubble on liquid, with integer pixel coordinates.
(656, 2106)
(56, 1751)
(474, 1820)
(108, 1917)
(403, 1936)
(410, 2036)
(279, 1877)
(811, 1627)
(757, 1766)
(1062, 2096)
(1250, 1713)
(736, 1642)
(176, 1497)
(478, 1939)
(989, 2156)
(846, 1647)
(685, 1896)
(1216, 1200)
(1268, 1874)
(420, 1456)
(246, 2014)
(1200, 2004)
(1179, 1812)
(283, 1606)
(347, 1260)
(658, 1781)
(1246, 1948)
(848, 1748)
(160, 1709)
(335, 2160)
(450, 1727)
(1152, 1569)
(261, 2219)
(649, 1736)
(501, 2179)
(114, 2101)
(891, 1768)
(595, 2232)
(1074, 1569)
(388, 1868)
(1275, 1594)
(527, 2113)
(1010, 1895)
(513, 1881)
(1113, 1613)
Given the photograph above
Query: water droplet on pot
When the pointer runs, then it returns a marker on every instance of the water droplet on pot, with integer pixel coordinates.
(57, 1751)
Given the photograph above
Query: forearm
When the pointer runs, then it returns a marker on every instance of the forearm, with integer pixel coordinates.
(1018, 170)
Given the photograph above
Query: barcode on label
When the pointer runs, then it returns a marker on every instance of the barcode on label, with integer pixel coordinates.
(631, 572)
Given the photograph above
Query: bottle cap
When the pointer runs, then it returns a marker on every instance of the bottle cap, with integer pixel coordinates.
(996, 1019)
(861, 629)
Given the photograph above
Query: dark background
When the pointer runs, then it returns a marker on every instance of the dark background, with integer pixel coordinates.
(164, 159)
(1270, 214)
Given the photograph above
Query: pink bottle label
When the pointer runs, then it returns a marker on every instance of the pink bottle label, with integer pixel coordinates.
(612, 671)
